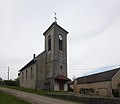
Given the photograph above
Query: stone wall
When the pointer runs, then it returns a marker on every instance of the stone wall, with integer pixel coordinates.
(116, 80)
(100, 88)
(28, 79)
(88, 99)
(41, 70)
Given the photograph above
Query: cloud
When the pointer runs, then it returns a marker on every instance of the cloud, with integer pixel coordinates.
(99, 51)
(93, 27)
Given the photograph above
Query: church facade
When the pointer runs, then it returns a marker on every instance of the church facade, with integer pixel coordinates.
(48, 70)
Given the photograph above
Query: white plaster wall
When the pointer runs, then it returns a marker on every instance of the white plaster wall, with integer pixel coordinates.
(66, 86)
(56, 86)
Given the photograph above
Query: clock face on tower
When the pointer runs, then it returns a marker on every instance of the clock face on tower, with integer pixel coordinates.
(60, 37)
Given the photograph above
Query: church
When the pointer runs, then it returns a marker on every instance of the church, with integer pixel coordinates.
(48, 70)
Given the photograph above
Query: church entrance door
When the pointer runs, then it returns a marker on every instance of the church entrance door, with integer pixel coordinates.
(61, 85)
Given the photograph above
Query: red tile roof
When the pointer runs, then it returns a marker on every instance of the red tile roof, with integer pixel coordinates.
(62, 77)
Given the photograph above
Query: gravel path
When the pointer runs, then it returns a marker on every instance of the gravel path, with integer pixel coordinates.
(33, 98)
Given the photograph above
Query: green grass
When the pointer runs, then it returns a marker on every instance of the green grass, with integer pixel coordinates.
(8, 99)
(39, 92)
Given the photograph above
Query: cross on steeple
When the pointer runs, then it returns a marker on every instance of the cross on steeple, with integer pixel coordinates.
(55, 17)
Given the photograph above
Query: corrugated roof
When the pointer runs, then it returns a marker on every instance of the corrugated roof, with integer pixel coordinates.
(99, 77)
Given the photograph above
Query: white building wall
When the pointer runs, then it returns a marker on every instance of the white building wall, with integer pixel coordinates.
(56, 86)
(66, 86)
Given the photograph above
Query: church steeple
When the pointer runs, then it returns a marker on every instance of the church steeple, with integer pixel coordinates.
(56, 50)
(52, 34)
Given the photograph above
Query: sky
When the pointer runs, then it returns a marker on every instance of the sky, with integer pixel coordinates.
(93, 39)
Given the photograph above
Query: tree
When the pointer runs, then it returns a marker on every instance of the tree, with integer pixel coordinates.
(73, 78)
(17, 81)
(0, 79)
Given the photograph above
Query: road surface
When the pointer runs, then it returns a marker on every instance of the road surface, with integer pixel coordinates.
(33, 98)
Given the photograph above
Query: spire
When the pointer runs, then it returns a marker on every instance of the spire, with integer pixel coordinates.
(55, 17)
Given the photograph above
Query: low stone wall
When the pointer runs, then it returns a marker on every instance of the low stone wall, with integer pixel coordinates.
(88, 99)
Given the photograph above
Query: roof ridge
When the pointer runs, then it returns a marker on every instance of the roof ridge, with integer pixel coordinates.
(103, 76)
(101, 72)
(54, 24)
(32, 61)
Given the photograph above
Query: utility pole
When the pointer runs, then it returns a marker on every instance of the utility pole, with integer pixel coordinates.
(8, 73)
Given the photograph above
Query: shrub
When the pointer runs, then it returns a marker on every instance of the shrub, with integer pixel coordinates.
(86, 90)
(115, 92)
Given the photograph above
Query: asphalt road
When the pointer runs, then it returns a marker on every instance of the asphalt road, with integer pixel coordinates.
(33, 98)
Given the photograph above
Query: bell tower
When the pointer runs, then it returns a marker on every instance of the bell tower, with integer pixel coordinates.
(56, 52)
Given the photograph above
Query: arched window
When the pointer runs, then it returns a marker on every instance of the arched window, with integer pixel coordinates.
(49, 43)
(22, 75)
(26, 74)
(32, 73)
(60, 42)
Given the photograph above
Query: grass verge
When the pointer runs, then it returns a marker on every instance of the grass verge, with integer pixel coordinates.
(9, 99)
(39, 92)
(43, 93)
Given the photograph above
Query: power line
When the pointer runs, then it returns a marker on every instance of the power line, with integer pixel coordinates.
(103, 67)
